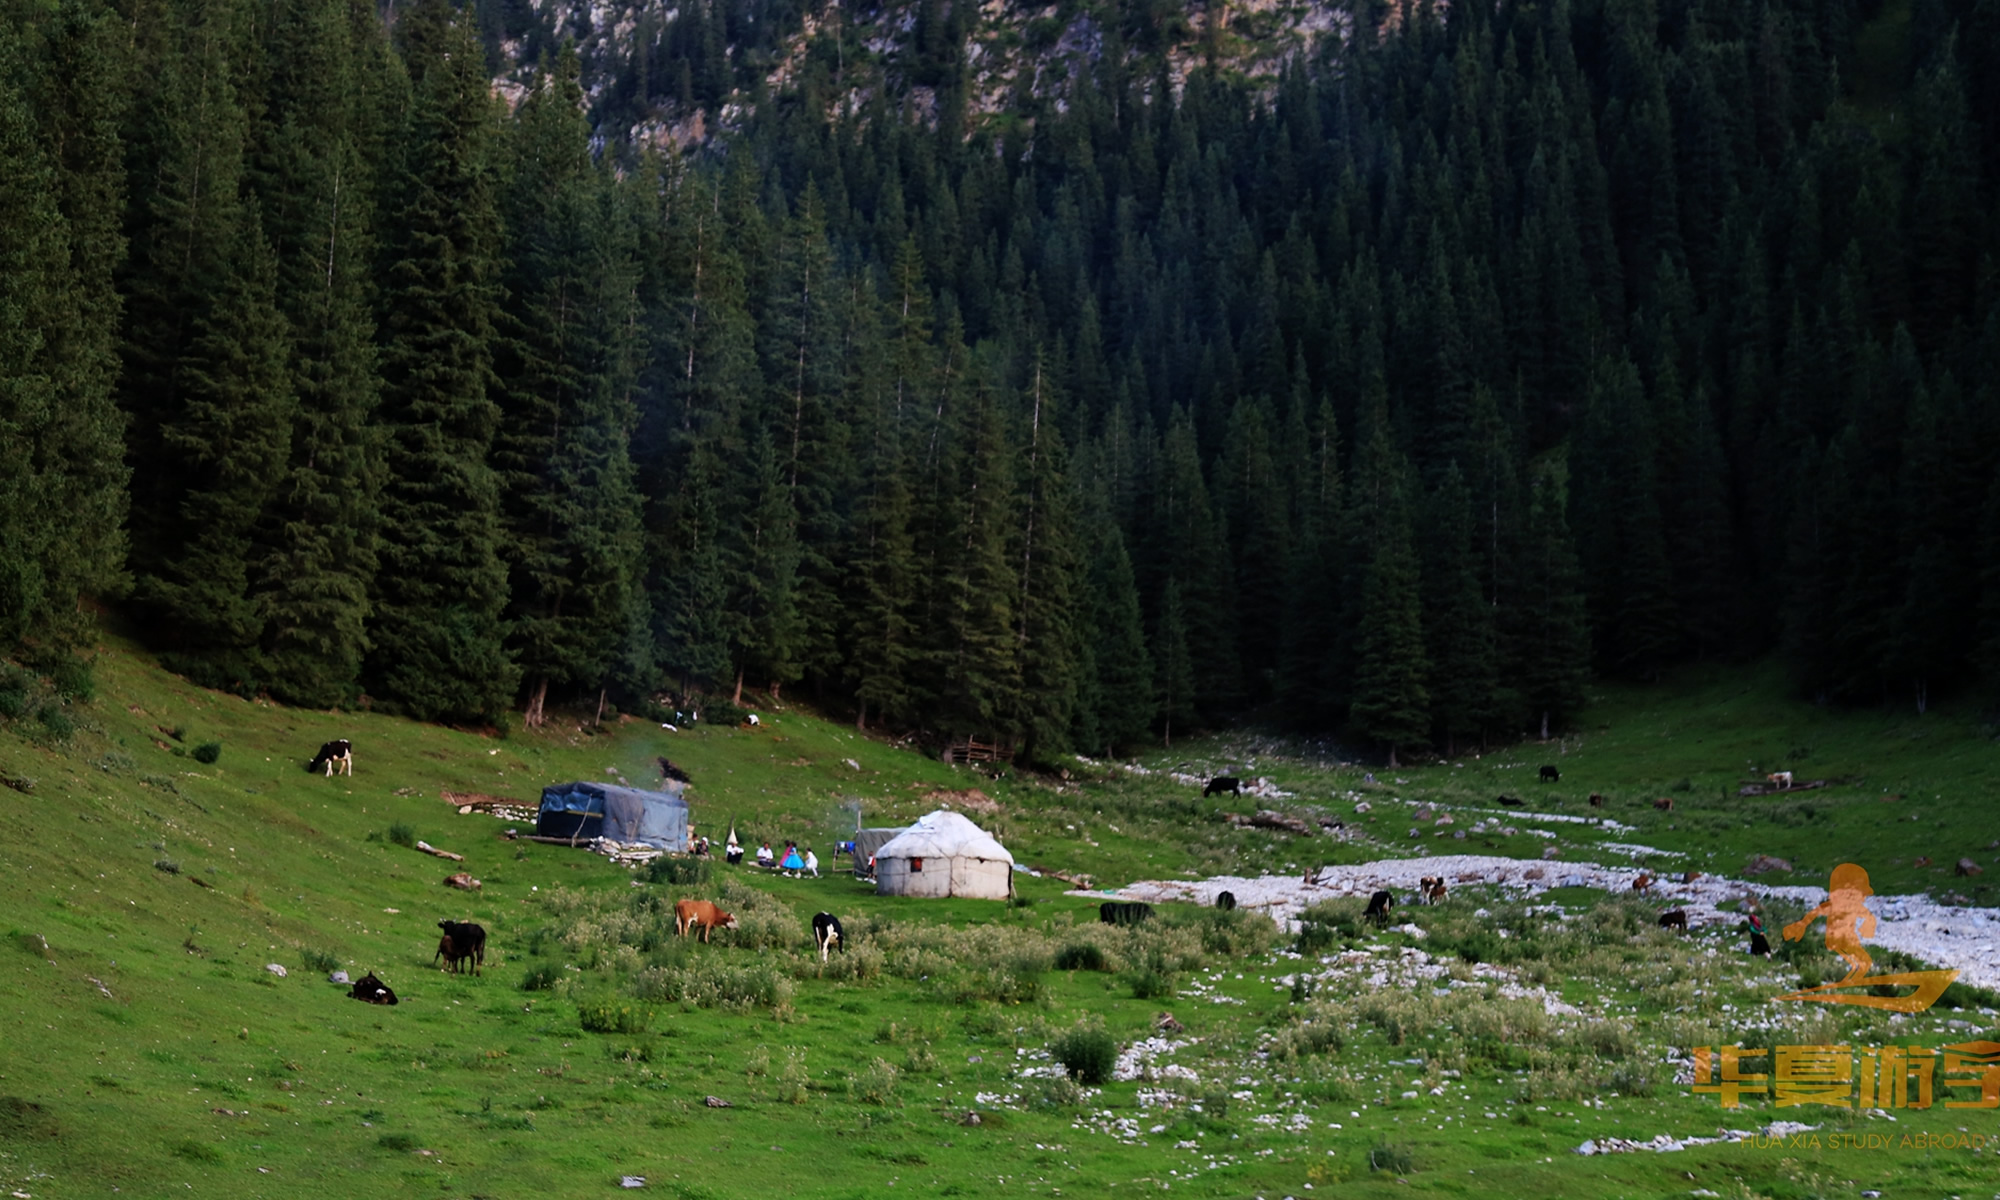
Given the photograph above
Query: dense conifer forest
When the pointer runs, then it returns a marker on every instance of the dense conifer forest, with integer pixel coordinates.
(1400, 397)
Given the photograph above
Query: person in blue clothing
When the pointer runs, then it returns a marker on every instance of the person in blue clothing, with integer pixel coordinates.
(792, 863)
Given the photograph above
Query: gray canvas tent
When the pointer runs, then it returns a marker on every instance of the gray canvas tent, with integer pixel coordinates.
(582, 811)
(944, 854)
(868, 842)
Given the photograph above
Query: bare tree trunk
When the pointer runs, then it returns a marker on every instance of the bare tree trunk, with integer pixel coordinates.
(861, 715)
(737, 700)
(1392, 756)
(1545, 724)
(533, 717)
(600, 706)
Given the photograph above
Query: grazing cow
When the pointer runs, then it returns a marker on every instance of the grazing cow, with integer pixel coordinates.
(1379, 906)
(1782, 778)
(1224, 783)
(1644, 883)
(753, 719)
(1225, 901)
(691, 913)
(1113, 912)
(828, 934)
(1759, 944)
(1511, 801)
(463, 942)
(1551, 774)
(373, 990)
(333, 756)
(1674, 919)
(1596, 800)
(1432, 888)
(1664, 804)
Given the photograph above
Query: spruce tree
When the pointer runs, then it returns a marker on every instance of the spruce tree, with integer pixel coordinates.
(1391, 704)
(1046, 610)
(438, 637)
(1116, 708)
(1552, 638)
(1458, 622)
(1175, 682)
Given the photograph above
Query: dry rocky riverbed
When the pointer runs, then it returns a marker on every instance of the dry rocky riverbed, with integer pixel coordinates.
(1966, 938)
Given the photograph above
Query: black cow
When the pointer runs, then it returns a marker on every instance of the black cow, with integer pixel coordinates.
(1551, 774)
(669, 771)
(1511, 801)
(463, 942)
(1674, 919)
(1759, 944)
(1380, 905)
(334, 756)
(1225, 901)
(827, 934)
(1224, 783)
(1112, 912)
(373, 990)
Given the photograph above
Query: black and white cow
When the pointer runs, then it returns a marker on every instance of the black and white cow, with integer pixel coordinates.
(334, 756)
(827, 934)
(1380, 905)
(373, 990)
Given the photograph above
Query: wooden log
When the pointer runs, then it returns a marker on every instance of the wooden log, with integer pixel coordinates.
(427, 848)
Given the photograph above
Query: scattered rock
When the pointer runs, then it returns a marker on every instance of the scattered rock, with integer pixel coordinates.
(1423, 814)
(1266, 819)
(1763, 864)
(631, 1181)
(275, 969)
(716, 1102)
(1552, 852)
(971, 1118)
(338, 977)
(969, 800)
(850, 762)
(1363, 807)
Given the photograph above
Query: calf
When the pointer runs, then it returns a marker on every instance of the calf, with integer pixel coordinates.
(1664, 804)
(1379, 907)
(334, 756)
(1644, 883)
(373, 990)
(1782, 778)
(1432, 889)
(1224, 783)
(1511, 801)
(1596, 800)
(1551, 774)
(827, 934)
(463, 942)
(1113, 912)
(689, 914)
(1225, 901)
(1674, 919)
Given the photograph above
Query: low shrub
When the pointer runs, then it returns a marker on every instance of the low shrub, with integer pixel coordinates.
(207, 752)
(1329, 925)
(167, 865)
(874, 1083)
(402, 834)
(612, 1015)
(678, 872)
(1087, 1053)
(1059, 1092)
(1214, 1104)
(793, 1081)
(1149, 984)
(1394, 1159)
(320, 960)
(1080, 956)
(400, 1143)
(541, 979)
(711, 984)
(1306, 1039)
(56, 721)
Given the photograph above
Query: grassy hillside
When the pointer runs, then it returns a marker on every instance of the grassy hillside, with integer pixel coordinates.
(152, 1048)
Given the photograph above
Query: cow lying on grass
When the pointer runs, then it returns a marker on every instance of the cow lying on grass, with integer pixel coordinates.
(333, 756)
(692, 914)
(462, 942)
(373, 990)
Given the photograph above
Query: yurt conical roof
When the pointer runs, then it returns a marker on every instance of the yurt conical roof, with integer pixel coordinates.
(944, 834)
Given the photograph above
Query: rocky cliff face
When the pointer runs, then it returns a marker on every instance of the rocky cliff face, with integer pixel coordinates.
(680, 71)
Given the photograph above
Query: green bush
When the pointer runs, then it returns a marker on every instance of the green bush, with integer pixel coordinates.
(13, 701)
(613, 1015)
(1150, 984)
(678, 872)
(1080, 956)
(874, 1083)
(399, 833)
(1396, 1160)
(168, 865)
(73, 680)
(1215, 1104)
(320, 960)
(401, 1143)
(1329, 925)
(208, 752)
(540, 979)
(56, 721)
(1088, 1054)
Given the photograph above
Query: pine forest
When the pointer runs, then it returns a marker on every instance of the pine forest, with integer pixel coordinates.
(1485, 351)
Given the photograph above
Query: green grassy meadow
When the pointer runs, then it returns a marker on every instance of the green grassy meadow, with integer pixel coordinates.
(150, 1051)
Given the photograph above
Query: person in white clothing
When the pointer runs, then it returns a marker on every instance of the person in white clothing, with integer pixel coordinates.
(812, 863)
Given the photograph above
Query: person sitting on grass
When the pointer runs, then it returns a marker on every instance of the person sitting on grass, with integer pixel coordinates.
(765, 858)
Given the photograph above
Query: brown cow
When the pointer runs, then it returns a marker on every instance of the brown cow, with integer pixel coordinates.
(690, 913)
(1664, 804)
(1644, 883)
(1433, 889)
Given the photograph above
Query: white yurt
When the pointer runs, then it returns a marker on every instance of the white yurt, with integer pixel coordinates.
(944, 854)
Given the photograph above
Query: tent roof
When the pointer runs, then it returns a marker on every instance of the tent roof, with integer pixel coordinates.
(944, 834)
